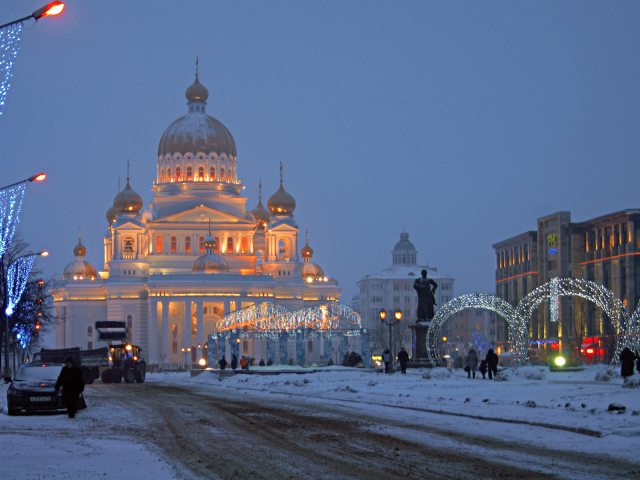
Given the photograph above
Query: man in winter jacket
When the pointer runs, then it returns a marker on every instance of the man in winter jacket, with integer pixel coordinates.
(234, 362)
(403, 358)
(72, 384)
(472, 363)
(222, 363)
(492, 363)
(386, 358)
(627, 359)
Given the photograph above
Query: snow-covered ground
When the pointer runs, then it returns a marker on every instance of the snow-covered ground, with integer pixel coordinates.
(566, 411)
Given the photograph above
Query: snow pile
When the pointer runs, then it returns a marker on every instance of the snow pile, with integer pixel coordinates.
(607, 374)
(522, 373)
(437, 374)
(632, 382)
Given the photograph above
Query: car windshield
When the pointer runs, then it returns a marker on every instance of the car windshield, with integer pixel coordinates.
(33, 373)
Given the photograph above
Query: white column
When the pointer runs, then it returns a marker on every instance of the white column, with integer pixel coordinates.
(68, 327)
(199, 327)
(187, 328)
(164, 349)
(152, 331)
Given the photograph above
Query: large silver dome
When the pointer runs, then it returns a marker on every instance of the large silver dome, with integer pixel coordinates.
(197, 132)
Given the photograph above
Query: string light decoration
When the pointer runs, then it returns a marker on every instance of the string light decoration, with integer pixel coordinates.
(554, 300)
(9, 40)
(269, 320)
(518, 335)
(626, 328)
(17, 277)
(10, 205)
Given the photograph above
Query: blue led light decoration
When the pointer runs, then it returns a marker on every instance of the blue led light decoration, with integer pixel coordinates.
(9, 40)
(10, 205)
(17, 278)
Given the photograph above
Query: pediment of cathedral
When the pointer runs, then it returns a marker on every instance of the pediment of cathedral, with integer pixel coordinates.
(203, 214)
(283, 228)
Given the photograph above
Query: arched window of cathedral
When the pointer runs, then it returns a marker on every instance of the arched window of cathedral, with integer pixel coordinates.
(158, 244)
(243, 248)
(222, 174)
(283, 250)
(178, 174)
(189, 173)
(168, 174)
(128, 248)
(229, 245)
(162, 174)
(187, 244)
(201, 246)
(201, 173)
(174, 245)
(217, 248)
(259, 258)
(212, 174)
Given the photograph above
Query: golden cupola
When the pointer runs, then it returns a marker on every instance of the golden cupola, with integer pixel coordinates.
(260, 213)
(281, 203)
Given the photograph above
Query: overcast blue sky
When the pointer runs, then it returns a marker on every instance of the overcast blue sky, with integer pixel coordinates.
(464, 121)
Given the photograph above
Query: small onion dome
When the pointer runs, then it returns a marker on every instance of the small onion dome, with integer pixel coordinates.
(112, 213)
(281, 202)
(79, 250)
(210, 262)
(311, 270)
(307, 251)
(79, 269)
(196, 92)
(128, 200)
(261, 213)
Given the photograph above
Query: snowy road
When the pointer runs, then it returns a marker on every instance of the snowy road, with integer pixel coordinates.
(196, 428)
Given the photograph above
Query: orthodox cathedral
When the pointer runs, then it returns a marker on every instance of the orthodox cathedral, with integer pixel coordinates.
(172, 270)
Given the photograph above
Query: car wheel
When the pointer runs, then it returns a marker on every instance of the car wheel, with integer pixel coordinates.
(107, 376)
(140, 373)
(130, 376)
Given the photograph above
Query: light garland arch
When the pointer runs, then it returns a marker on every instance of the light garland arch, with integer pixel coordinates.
(627, 328)
(517, 332)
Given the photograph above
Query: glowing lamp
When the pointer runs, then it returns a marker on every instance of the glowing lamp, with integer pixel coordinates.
(135, 358)
(38, 177)
(444, 339)
(182, 349)
(40, 282)
(590, 351)
(309, 279)
(189, 349)
(128, 348)
(560, 361)
(50, 9)
(398, 315)
(601, 351)
(383, 314)
(9, 311)
(44, 254)
(554, 346)
(37, 327)
(110, 359)
(237, 340)
(199, 346)
(326, 279)
(202, 362)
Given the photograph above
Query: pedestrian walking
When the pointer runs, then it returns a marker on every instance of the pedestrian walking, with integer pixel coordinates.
(222, 363)
(483, 368)
(269, 362)
(627, 359)
(472, 363)
(261, 364)
(386, 358)
(72, 383)
(492, 363)
(403, 358)
(345, 360)
(234, 362)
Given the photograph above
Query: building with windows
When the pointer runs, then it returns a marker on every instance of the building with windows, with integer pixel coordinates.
(196, 253)
(605, 250)
(391, 290)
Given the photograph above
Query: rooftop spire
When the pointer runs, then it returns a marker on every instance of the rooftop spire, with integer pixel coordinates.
(209, 226)
(197, 66)
(127, 170)
(118, 183)
(280, 172)
(260, 191)
(307, 235)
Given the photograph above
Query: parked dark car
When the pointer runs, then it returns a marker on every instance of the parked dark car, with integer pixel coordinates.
(33, 389)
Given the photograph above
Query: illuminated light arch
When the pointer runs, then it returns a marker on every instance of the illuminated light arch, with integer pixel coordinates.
(627, 328)
(517, 331)
(270, 319)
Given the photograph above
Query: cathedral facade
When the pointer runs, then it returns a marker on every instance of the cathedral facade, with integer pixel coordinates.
(174, 269)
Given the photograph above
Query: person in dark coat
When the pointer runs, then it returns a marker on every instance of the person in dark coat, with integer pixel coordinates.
(386, 358)
(234, 362)
(492, 363)
(472, 363)
(261, 364)
(345, 360)
(269, 362)
(222, 363)
(483, 368)
(72, 383)
(403, 358)
(627, 359)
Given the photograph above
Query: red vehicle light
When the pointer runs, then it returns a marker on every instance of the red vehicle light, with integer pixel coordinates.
(590, 351)
(554, 346)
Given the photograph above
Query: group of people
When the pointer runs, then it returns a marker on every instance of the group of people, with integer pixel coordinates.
(245, 363)
(351, 359)
(489, 364)
(403, 359)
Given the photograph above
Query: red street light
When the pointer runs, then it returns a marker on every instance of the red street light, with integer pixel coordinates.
(43, 254)
(38, 177)
(53, 8)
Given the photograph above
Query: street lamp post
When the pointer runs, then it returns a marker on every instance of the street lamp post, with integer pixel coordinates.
(398, 316)
(50, 9)
(7, 309)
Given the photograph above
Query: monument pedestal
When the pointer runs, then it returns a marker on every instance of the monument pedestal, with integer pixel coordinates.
(419, 357)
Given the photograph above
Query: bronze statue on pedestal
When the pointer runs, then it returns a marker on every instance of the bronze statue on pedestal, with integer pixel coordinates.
(426, 289)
